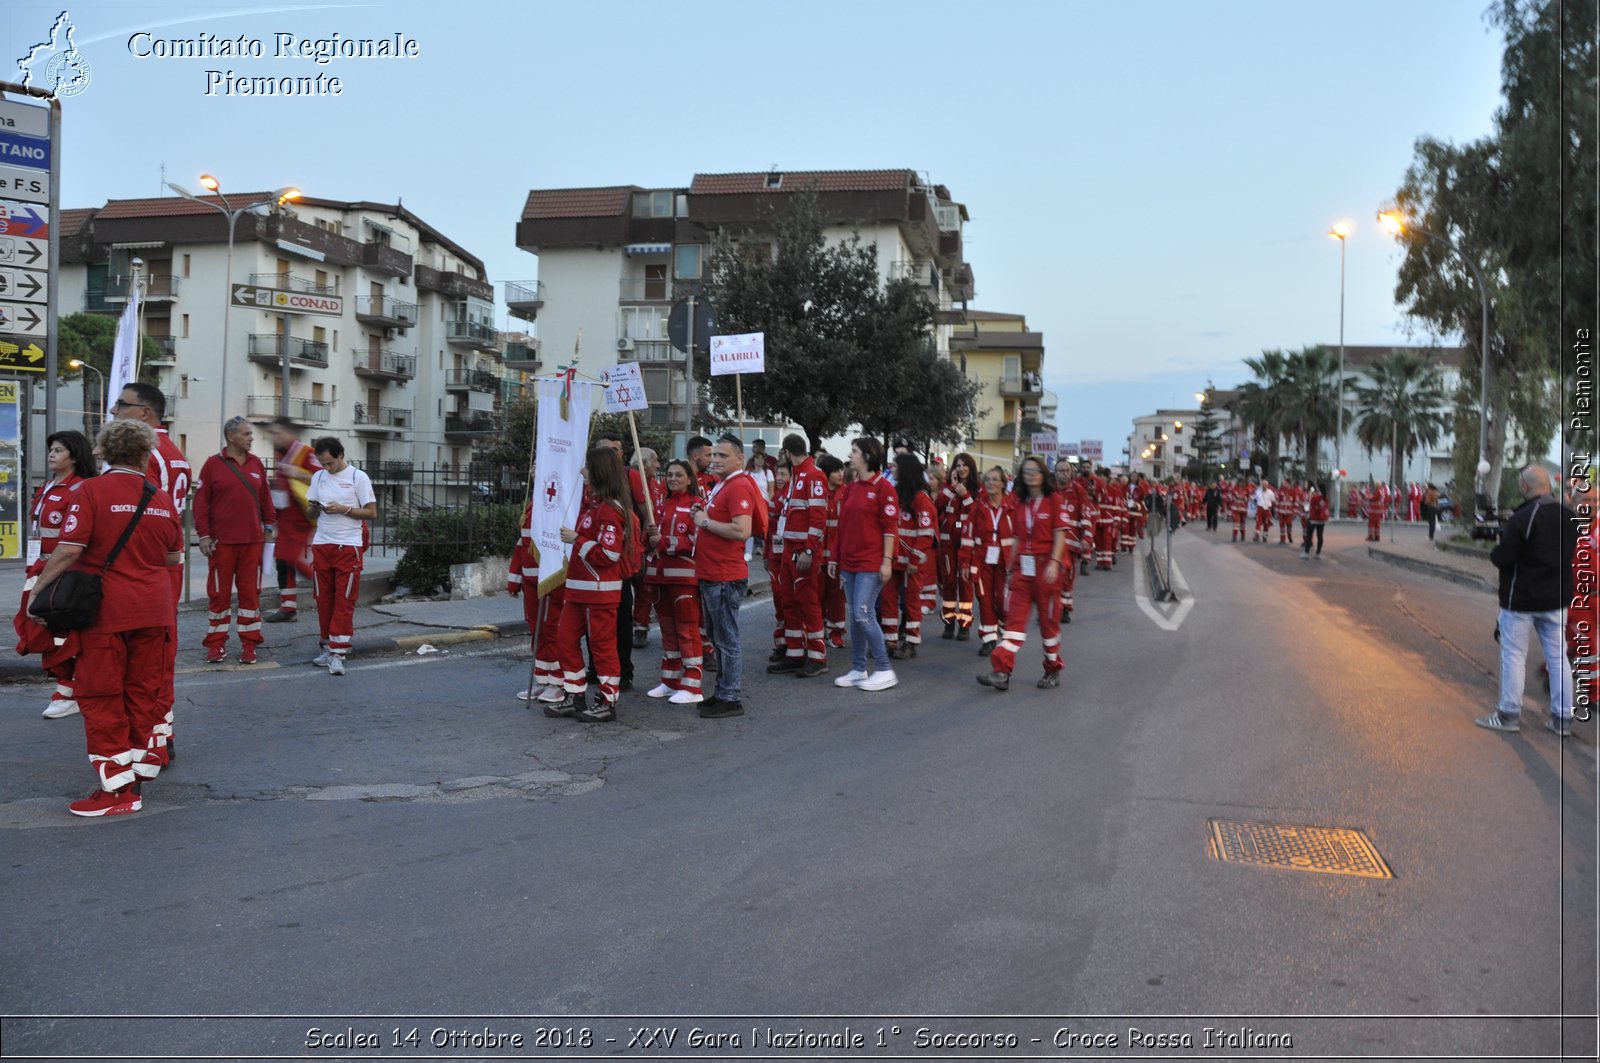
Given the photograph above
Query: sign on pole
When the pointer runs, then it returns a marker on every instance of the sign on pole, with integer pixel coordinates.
(280, 301)
(1044, 444)
(624, 388)
(30, 193)
(1091, 449)
(743, 353)
(11, 501)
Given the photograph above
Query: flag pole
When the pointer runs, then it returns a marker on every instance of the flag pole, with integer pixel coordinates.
(633, 429)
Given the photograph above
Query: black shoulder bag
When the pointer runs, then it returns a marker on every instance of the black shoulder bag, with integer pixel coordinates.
(72, 602)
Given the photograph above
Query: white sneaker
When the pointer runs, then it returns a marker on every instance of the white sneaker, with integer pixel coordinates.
(336, 665)
(661, 690)
(528, 695)
(552, 695)
(321, 660)
(57, 709)
(879, 681)
(686, 697)
(850, 679)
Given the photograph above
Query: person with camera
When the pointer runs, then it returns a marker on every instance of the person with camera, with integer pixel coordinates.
(124, 530)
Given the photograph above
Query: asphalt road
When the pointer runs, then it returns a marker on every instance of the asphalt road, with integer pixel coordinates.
(409, 841)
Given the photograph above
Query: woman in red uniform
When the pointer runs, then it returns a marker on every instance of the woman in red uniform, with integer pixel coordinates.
(607, 531)
(955, 513)
(70, 460)
(901, 603)
(773, 557)
(669, 580)
(125, 658)
(1035, 572)
(833, 610)
(992, 539)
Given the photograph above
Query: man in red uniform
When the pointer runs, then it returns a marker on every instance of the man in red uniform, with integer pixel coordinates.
(1238, 496)
(233, 514)
(726, 520)
(833, 604)
(1074, 499)
(1374, 499)
(169, 470)
(1107, 517)
(805, 525)
(292, 469)
(1288, 508)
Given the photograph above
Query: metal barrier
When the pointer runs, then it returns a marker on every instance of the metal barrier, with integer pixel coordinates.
(456, 505)
(1160, 522)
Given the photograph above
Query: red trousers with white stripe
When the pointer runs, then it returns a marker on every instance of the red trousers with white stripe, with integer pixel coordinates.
(902, 595)
(955, 586)
(291, 550)
(678, 613)
(544, 617)
(1044, 597)
(234, 565)
(833, 607)
(120, 682)
(337, 572)
(990, 587)
(598, 622)
(802, 608)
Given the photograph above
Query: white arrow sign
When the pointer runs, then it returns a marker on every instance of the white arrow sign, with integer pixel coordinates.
(20, 319)
(20, 251)
(28, 286)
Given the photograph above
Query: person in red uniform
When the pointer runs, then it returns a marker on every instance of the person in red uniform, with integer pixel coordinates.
(1374, 499)
(1316, 510)
(293, 466)
(805, 527)
(605, 533)
(698, 451)
(1288, 508)
(869, 521)
(833, 607)
(1126, 541)
(234, 515)
(542, 614)
(901, 597)
(954, 506)
(772, 560)
(70, 459)
(670, 583)
(1073, 503)
(992, 539)
(1239, 494)
(343, 501)
(169, 470)
(1034, 573)
(644, 480)
(125, 657)
(1107, 519)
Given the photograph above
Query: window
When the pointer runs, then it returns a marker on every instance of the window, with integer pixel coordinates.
(328, 226)
(185, 332)
(686, 262)
(322, 278)
(316, 392)
(653, 204)
(185, 265)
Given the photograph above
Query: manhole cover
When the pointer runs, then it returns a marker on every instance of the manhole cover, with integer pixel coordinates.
(1329, 850)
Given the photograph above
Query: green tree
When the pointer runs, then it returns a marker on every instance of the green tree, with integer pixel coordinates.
(1312, 407)
(1206, 440)
(1401, 404)
(1265, 406)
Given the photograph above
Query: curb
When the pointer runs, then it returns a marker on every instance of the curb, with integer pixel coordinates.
(1429, 568)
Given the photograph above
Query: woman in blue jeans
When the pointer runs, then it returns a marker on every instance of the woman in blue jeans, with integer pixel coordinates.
(869, 521)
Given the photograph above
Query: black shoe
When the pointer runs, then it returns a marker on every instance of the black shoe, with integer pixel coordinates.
(779, 653)
(987, 648)
(1051, 681)
(718, 710)
(281, 616)
(626, 683)
(964, 634)
(567, 707)
(788, 664)
(601, 711)
(949, 630)
(641, 637)
(709, 663)
(1066, 616)
(996, 680)
(810, 669)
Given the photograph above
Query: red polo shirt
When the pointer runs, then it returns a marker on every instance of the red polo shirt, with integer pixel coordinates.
(719, 560)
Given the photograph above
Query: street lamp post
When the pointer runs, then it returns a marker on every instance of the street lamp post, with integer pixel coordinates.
(1397, 224)
(1339, 232)
(80, 364)
(227, 211)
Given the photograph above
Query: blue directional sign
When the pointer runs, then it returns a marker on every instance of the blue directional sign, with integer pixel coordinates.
(32, 152)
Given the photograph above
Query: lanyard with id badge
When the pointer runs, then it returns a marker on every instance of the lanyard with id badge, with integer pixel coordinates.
(991, 556)
(1030, 563)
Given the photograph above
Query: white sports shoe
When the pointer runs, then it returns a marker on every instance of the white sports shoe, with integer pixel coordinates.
(879, 681)
(336, 665)
(686, 697)
(551, 695)
(850, 679)
(321, 660)
(57, 709)
(661, 690)
(527, 695)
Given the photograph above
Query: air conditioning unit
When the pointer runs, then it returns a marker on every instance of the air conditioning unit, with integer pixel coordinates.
(624, 344)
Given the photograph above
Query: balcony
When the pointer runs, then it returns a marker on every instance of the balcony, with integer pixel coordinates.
(471, 334)
(291, 282)
(644, 290)
(523, 299)
(96, 301)
(1027, 386)
(385, 311)
(456, 285)
(171, 412)
(390, 472)
(382, 418)
(471, 380)
(656, 351)
(264, 348)
(382, 258)
(168, 346)
(924, 274)
(462, 427)
(523, 357)
(305, 411)
(158, 288)
(383, 364)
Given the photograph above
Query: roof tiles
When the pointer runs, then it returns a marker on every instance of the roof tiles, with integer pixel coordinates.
(578, 202)
(175, 206)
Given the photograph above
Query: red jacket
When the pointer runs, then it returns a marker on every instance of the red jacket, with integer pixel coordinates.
(1318, 513)
(805, 517)
(672, 560)
(1036, 521)
(225, 510)
(991, 527)
(137, 588)
(914, 540)
(170, 469)
(595, 570)
(868, 510)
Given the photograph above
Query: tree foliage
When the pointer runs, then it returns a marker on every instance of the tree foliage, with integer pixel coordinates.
(1401, 405)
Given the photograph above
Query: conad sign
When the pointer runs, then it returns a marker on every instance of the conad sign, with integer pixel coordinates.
(301, 303)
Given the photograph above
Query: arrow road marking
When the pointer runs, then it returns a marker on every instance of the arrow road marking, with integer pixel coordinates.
(1141, 594)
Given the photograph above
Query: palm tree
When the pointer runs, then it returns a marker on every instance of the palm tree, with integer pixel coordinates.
(1313, 408)
(1264, 405)
(1401, 404)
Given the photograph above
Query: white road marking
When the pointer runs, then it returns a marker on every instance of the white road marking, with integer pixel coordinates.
(1141, 594)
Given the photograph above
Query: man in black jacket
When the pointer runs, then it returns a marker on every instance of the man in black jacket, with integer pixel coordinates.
(1534, 556)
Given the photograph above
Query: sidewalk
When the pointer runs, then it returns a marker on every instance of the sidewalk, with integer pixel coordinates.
(380, 630)
(1411, 549)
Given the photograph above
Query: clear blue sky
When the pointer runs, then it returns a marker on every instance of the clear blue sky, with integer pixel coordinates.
(1149, 183)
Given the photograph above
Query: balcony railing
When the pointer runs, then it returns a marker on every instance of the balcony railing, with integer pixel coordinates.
(157, 287)
(523, 299)
(382, 258)
(471, 333)
(466, 424)
(382, 417)
(169, 349)
(385, 310)
(656, 351)
(471, 380)
(1026, 386)
(390, 471)
(644, 290)
(384, 364)
(458, 285)
(306, 411)
(523, 357)
(264, 348)
(924, 274)
(291, 282)
(96, 301)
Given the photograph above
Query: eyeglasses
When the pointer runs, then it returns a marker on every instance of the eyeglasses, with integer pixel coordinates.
(120, 404)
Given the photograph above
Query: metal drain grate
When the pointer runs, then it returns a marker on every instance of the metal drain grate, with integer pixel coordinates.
(1328, 850)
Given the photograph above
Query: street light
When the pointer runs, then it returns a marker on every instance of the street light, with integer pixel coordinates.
(80, 364)
(225, 208)
(1396, 223)
(1340, 231)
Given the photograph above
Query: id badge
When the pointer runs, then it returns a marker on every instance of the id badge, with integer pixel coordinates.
(992, 556)
(33, 550)
(1030, 565)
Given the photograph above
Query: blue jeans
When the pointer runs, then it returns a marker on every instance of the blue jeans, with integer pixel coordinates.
(1514, 629)
(866, 636)
(721, 602)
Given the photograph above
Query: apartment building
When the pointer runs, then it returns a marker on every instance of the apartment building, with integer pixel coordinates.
(999, 352)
